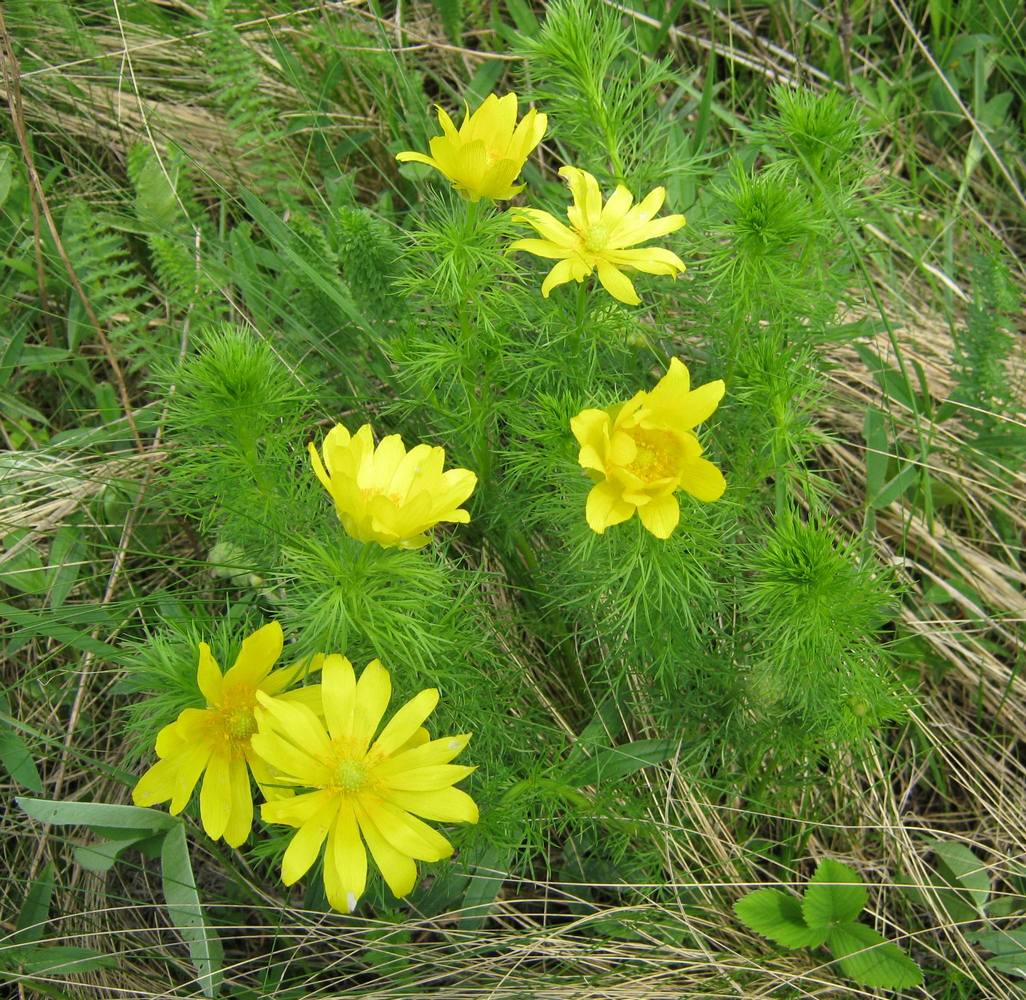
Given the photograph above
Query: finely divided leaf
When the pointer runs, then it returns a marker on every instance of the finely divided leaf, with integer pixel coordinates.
(866, 957)
(778, 916)
(835, 895)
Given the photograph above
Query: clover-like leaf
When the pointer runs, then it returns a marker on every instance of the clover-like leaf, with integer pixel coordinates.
(778, 916)
(835, 895)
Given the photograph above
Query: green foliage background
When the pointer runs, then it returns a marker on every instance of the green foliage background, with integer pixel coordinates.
(210, 256)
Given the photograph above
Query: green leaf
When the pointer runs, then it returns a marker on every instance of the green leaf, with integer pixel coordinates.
(896, 487)
(15, 754)
(101, 856)
(877, 451)
(35, 911)
(1009, 949)
(863, 955)
(835, 895)
(97, 814)
(962, 870)
(486, 878)
(62, 960)
(183, 906)
(614, 763)
(778, 916)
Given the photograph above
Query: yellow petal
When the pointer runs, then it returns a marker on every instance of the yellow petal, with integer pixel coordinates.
(208, 675)
(650, 260)
(548, 227)
(397, 869)
(157, 784)
(443, 805)
(296, 722)
(591, 428)
(540, 248)
(703, 480)
(338, 695)
(191, 764)
(278, 680)
(559, 275)
(216, 795)
(240, 821)
(671, 391)
(256, 657)
(306, 844)
(184, 732)
(586, 194)
(350, 856)
(606, 507)
(297, 810)
(439, 751)
(617, 284)
(286, 758)
(701, 402)
(405, 722)
(427, 779)
(406, 833)
(660, 515)
(616, 208)
(410, 156)
(373, 690)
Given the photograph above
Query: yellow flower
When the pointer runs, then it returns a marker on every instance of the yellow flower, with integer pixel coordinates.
(641, 452)
(486, 155)
(386, 494)
(600, 237)
(364, 789)
(215, 741)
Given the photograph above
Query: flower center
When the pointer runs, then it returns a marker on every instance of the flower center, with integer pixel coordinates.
(595, 238)
(658, 457)
(240, 724)
(235, 714)
(350, 776)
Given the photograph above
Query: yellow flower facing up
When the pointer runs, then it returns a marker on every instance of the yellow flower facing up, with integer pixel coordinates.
(642, 451)
(364, 790)
(215, 741)
(387, 494)
(486, 155)
(600, 237)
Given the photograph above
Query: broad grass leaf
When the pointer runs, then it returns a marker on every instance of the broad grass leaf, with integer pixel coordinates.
(963, 871)
(63, 960)
(863, 955)
(186, 912)
(614, 763)
(778, 916)
(97, 814)
(15, 755)
(35, 911)
(835, 895)
(1009, 949)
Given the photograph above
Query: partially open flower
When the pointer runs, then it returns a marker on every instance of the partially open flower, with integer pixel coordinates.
(642, 451)
(387, 494)
(486, 155)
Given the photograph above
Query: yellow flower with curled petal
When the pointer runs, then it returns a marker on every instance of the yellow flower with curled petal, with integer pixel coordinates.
(642, 451)
(215, 741)
(486, 155)
(364, 791)
(386, 494)
(601, 237)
